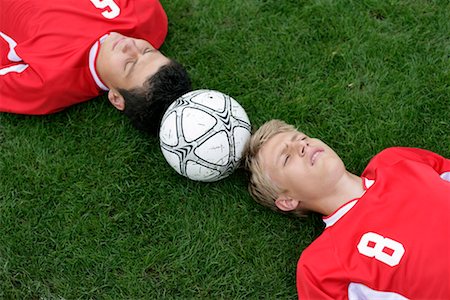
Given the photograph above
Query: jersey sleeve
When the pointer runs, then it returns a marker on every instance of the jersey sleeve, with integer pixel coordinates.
(320, 274)
(22, 91)
(436, 161)
(308, 285)
(19, 83)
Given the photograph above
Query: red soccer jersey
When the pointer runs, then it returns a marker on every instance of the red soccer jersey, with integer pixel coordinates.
(48, 48)
(393, 242)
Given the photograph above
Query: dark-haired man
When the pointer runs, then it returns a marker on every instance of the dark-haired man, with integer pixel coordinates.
(56, 54)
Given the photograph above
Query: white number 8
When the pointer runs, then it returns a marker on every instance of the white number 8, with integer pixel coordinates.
(111, 11)
(373, 244)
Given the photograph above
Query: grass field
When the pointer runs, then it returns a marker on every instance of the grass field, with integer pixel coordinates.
(90, 209)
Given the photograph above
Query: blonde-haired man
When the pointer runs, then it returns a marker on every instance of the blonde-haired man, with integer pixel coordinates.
(387, 231)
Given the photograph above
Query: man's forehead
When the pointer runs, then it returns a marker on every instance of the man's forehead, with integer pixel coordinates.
(274, 146)
(269, 150)
(283, 136)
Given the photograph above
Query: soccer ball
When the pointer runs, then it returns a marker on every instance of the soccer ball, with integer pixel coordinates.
(203, 134)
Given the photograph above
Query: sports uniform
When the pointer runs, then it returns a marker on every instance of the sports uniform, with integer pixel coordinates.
(393, 242)
(48, 49)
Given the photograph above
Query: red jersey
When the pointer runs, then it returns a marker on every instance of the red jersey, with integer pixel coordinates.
(393, 242)
(48, 48)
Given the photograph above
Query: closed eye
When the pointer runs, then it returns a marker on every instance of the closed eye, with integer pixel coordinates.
(286, 159)
(147, 50)
(132, 62)
(128, 63)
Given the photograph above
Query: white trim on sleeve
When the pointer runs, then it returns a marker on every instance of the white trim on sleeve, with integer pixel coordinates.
(12, 55)
(19, 68)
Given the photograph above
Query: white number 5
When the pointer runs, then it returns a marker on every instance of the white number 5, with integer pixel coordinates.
(381, 248)
(111, 11)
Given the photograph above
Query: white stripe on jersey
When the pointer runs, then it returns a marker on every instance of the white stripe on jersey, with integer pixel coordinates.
(12, 55)
(358, 291)
(19, 68)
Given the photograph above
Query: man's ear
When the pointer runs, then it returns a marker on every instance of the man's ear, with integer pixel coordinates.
(116, 99)
(286, 203)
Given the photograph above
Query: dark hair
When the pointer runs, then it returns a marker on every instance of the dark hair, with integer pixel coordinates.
(145, 106)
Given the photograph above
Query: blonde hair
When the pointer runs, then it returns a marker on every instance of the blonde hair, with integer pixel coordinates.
(261, 187)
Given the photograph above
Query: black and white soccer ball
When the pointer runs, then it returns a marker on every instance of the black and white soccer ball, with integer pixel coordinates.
(203, 135)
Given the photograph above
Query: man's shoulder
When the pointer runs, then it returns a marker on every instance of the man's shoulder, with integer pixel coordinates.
(393, 155)
(319, 250)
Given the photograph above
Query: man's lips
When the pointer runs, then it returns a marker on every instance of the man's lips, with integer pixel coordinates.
(315, 153)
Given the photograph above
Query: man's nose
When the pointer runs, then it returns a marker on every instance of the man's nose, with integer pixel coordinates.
(300, 147)
(130, 48)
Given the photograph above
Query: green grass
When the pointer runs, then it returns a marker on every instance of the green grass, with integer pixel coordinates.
(90, 209)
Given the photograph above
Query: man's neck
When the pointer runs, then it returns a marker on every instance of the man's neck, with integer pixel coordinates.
(348, 188)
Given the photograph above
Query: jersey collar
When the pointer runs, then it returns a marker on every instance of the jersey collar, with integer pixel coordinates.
(338, 214)
(93, 53)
